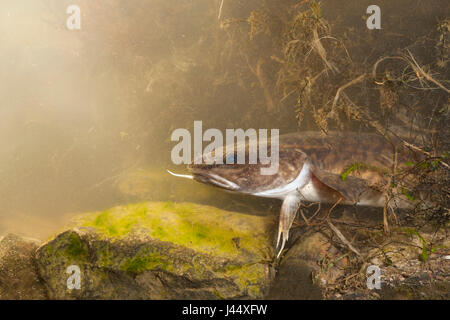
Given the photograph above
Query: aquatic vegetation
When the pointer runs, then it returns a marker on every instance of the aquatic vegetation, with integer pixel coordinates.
(76, 249)
(202, 228)
(221, 253)
(144, 262)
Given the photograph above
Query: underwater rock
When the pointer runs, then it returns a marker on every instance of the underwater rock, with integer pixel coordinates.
(157, 250)
(18, 274)
(412, 265)
(300, 273)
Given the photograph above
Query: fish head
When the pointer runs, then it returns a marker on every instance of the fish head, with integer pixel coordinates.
(232, 177)
(247, 178)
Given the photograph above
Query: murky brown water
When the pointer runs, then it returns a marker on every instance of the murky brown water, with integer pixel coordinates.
(82, 111)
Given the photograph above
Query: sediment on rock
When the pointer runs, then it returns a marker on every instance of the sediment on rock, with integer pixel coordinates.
(160, 251)
(18, 273)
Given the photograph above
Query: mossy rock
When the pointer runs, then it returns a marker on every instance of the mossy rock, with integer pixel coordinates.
(161, 250)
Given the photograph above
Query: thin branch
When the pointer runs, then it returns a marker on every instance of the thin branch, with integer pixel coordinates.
(342, 238)
(317, 45)
(417, 68)
(220, 10)
(411, 146)
(348, 84)
(300, 3)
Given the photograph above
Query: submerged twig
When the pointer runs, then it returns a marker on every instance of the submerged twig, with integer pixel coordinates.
(342, 237)
(411, 61)
(348, 84)
(220, 10)
(300, 3)
(419, 70)
(317, 45)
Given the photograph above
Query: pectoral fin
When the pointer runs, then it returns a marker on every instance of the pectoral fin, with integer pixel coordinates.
(288, 212)
(351, 188)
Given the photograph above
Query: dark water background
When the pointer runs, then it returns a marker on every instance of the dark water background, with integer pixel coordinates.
(86, 116)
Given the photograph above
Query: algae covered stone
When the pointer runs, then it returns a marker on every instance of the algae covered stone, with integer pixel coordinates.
(156, 250)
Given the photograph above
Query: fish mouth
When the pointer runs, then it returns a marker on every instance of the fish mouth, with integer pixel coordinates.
(209, 178)
(215, 180)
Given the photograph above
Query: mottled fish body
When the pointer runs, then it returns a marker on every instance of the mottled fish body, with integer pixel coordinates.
(311, 168)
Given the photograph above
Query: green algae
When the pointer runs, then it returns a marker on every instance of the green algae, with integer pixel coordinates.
(70, 246)
(105, 257)
(144, 262)
(202, 228)
(75, 249)
(196, 242)
(247, 276)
